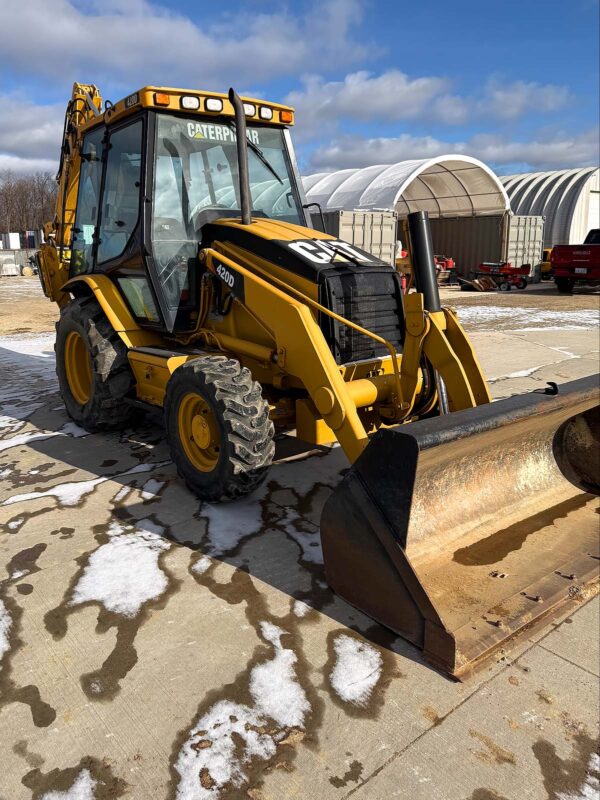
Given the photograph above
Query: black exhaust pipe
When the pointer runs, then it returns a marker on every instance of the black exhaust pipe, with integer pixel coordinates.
(242, 154)
(423, 263)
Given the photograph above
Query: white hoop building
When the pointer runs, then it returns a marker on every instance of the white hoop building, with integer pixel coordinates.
(447, 186)
(569, 199)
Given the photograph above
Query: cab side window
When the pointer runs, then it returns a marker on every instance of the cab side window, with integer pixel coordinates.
(88, 199)
(121, 200)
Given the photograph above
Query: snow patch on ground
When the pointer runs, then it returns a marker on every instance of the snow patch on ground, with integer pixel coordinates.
(151, 489)
(515, 318)
(41, 346)
(72, 429)
(273, 684)
(590, 789)
(300, 609)
(72, 493)
(83, 789)
(124, 573)
(229, 523)
(223, 741)
(305, 474)
(121, 494)
(522, 373)
(356, 671)
(25, 438)
(229, 735)
(201, 565)
(68, 429)
(5, 626)
(15, 523)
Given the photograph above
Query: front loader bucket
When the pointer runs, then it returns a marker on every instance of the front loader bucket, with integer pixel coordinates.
(463, 531)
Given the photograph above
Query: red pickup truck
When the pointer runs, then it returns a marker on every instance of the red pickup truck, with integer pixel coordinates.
(577, 263)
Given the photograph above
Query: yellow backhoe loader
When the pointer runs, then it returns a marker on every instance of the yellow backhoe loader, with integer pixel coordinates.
(188, 279)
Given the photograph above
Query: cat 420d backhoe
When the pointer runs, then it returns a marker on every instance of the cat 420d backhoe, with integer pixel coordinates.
(188, 279)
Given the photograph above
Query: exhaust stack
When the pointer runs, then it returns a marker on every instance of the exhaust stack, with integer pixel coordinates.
(242, 154)
(423, 263)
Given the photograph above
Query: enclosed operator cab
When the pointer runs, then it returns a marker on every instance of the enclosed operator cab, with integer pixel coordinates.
(155, 169)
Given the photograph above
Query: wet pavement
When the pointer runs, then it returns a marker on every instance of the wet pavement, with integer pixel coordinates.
(153, 647)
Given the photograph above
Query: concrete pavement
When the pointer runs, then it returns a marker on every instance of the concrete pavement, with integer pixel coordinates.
(155, 648)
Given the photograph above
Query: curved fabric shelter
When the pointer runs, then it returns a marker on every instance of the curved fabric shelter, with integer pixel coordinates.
(447, 186)
(567, 198)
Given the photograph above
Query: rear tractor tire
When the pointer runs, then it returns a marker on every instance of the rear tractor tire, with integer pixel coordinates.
(565, 285)
(92, 367)
(218, 427)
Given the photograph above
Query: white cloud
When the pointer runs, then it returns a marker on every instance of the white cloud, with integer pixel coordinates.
(544, 152)
(560, 151)
(134, 42)
(29, 130)
(362, 96)
(509, 101)
(26, 166)
(452, 109)
(393, 95)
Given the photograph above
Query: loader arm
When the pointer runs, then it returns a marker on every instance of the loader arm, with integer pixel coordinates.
(440, 337)
(301, 351)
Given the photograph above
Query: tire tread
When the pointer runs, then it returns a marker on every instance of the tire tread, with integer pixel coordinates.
(244, 412)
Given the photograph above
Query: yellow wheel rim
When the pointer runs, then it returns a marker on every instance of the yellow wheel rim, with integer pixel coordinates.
(199, 432)
(78, 367)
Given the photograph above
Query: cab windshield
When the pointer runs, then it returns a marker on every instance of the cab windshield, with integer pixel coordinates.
(196, 181)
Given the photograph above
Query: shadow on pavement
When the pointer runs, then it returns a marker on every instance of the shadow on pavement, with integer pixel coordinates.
(273, 535)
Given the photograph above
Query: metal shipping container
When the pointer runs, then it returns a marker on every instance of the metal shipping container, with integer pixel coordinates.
(373, 231)
(502, 237)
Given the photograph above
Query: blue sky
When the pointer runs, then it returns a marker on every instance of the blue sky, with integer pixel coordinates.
(513, 83)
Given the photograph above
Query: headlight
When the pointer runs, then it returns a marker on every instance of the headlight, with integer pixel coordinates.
(214, 104)
(190, 103)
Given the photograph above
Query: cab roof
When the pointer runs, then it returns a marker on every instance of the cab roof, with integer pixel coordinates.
(165, 98)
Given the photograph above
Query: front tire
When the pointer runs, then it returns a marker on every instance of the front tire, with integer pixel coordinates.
(92, 367)
(218, 427)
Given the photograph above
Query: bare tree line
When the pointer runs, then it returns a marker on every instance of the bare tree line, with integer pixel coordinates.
(26, 201)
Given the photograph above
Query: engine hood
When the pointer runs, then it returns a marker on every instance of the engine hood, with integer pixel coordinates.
(304, 251)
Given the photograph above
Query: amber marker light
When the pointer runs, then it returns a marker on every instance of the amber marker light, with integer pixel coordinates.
(286, 116)
(161, 99)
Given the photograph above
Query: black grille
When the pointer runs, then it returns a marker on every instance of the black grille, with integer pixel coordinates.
(370, 297)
